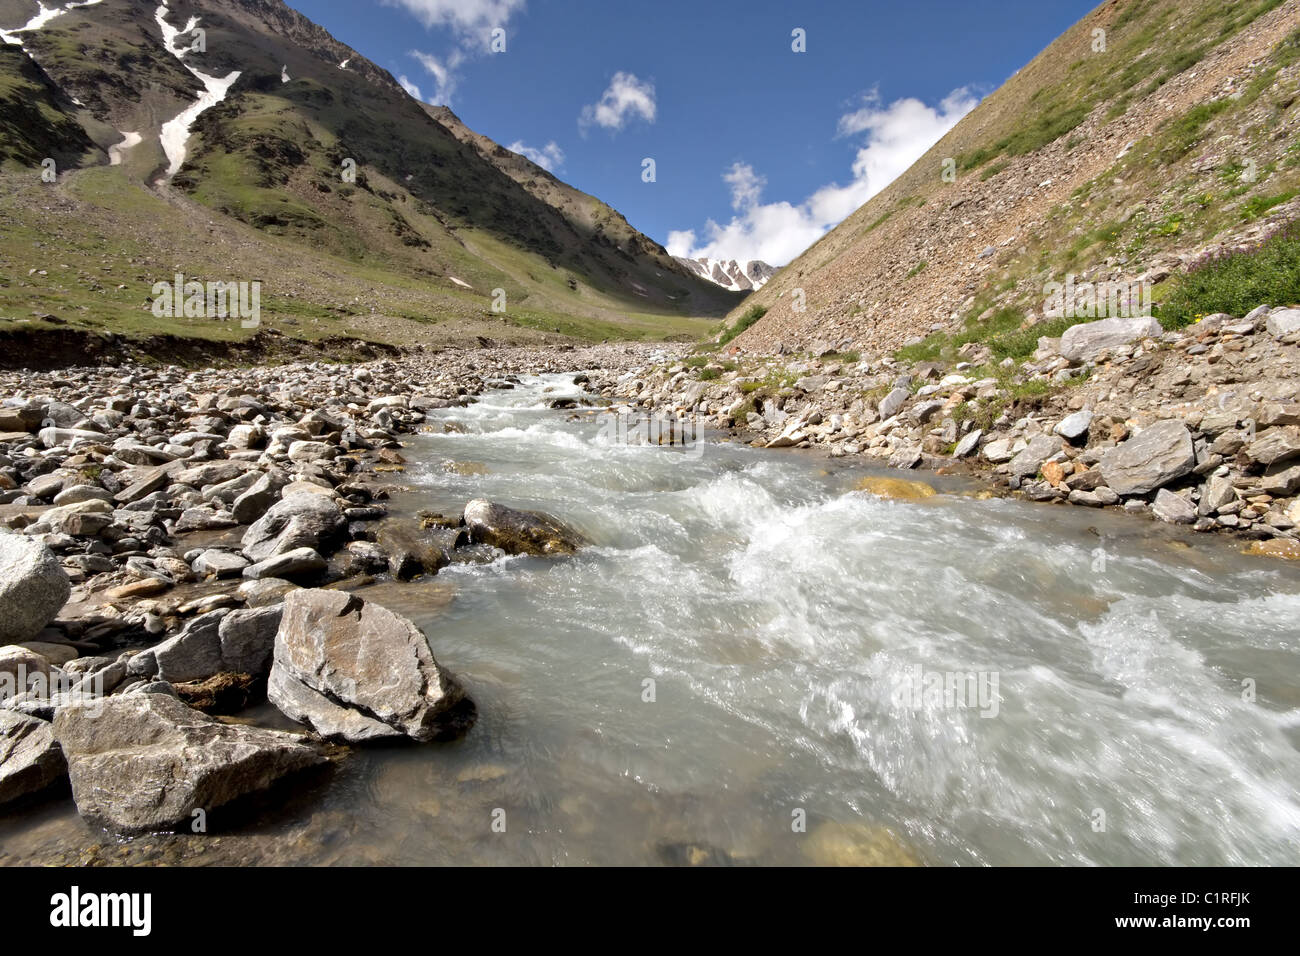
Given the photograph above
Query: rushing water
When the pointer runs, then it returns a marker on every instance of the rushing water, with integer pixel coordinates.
(733, 657)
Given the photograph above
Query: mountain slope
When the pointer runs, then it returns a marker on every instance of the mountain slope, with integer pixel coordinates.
(428, 214)
(1124, 164)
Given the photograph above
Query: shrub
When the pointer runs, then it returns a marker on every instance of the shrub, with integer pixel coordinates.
(1237, 281)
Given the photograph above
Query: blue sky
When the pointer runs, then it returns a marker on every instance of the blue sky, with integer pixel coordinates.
(758, 150)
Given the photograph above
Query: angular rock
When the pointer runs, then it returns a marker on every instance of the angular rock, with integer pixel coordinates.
(33, 587)
(519, 532)
(30, 758)
(1030, 460)
(299, 521)
(891, 403)
(291, 563)
(221, 564)
(146, 761)
(1173, 508)
(194, 653)
(356, 671)
(1283, 322)
(247, 639)
(968, 444)
(1155, 456)
(1073, 427)
(1082, 342)
(255, 502)
(1275, 446)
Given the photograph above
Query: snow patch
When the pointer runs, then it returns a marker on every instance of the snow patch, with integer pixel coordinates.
(459, 282)
(43, 16)
(344, 64)
(176, 132)
(284, 74)
(117, 149)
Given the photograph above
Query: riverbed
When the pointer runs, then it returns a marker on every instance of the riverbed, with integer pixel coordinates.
(753, 663)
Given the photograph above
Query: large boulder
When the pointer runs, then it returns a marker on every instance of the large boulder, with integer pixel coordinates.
(519, 532)
(30, 758)
(260, 496)
(1283, 322)
(1155, 456)
(146, 762)
(412, 550)
(1275, 446)
(1081, 343)
(298, 521)
(355, 671)
(1031, 458)
(33, 587)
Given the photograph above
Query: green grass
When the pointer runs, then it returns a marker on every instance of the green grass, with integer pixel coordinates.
(917, 269)
(1256, 206)
(1237, 282)
(745, 321)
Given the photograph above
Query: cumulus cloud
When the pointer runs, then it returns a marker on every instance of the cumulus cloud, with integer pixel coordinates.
(896, 136)
(466, 17)
(410, 87)
(443, 72)
(550, 157)
(625, 98)
(470, 22)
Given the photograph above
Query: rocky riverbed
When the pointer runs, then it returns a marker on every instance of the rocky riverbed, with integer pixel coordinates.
(183, 549)
(1198, 427)
(180, 543)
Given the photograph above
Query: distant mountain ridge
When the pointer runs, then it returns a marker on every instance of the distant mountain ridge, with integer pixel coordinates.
(731, 274)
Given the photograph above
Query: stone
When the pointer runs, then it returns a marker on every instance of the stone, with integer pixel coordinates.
(299, 561)
(220, 564)
(194, 653)
(1281, 481)
(411, 550)
(897, 488)
(30, 757)
(1000, 450)
(1173, 508)
(33, 587)
(1083, 342)
(1074, 427)
(145, 762)
(968, 445)
(1155, 456)
(1283, 322)
(356, 671)
(1216, 493)
(1275, 446)
(247, 638)
(298, 521)
(265, 592)
(254, 503)
(891, 403)
(1030, 460)
(519, 532)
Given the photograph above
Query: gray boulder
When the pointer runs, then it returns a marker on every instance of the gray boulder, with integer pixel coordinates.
(263, 493)
(968, 444)
(1283, 322)
(355, 671)
(33, 587)
(1155, 456)
(519, 532)
(299, 561)
(30, 758)
(145, 762)
(1039, 449)
(247, 639)
(1082, 342)
(1073, 427)
(1173, 508)
(298, 521)
(891, 403)
(1275, 446)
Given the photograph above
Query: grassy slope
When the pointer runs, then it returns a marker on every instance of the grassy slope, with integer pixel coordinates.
(261, 197)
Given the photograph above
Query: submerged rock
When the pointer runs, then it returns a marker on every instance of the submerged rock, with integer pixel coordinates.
(899, 488)
(146, 762)
(356, 671)
(519, 532)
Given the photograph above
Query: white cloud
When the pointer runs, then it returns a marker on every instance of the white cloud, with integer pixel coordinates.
(466, 17)
(897, 135)
(443, 73)
(411, 88)
(626, 97)
(550, 157)
(471, 22)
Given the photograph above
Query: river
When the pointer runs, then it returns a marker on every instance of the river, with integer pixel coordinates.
(754, 664)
